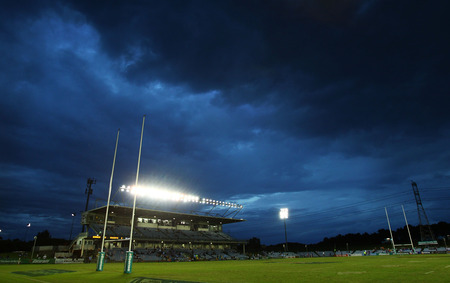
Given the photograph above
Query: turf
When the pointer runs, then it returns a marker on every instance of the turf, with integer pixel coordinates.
(416, 268)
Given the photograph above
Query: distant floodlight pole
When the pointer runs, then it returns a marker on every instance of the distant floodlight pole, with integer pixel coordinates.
(88, 192)
(26, 232)
(407, 227)
(71, 228)
(284, 214)
(129, 254)
(34, 245)
(101, 254)
(390, 230)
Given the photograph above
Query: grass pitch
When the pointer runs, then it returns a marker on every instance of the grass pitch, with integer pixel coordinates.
(415, 268)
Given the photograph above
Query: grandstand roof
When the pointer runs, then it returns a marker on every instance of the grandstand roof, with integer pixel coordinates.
(150, 213)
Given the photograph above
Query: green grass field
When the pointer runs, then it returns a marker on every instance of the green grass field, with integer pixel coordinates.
(415, 268)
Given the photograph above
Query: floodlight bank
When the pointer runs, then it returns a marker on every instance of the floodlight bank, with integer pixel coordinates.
(161, 194)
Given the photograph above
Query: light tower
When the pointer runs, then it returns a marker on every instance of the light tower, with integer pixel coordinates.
(284, 214)
(88, 192)
(426, 234)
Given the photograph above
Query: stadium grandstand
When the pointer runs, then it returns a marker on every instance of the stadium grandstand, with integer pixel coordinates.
(157, 235)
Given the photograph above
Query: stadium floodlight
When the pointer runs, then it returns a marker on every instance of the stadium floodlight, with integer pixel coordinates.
(124, 188)
(162, 194)
(157, 193)
(284, 214)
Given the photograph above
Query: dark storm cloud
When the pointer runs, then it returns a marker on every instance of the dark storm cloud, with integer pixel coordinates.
(342, 66)
(306, 104)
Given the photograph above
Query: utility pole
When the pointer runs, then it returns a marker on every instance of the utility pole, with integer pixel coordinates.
(88, 192)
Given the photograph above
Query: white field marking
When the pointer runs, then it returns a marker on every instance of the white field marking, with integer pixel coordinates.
(351, 272)
(35, 280)
(391, 265)
(416, 261)
(429, 272)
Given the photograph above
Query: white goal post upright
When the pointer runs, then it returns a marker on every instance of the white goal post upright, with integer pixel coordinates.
(407, 227)
(101, 254)
(390, 230)
(129, 254)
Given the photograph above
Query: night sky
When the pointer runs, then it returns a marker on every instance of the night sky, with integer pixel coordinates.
(328, 108)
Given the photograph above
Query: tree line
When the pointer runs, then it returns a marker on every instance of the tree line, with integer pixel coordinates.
(358, 241)
(42, 239)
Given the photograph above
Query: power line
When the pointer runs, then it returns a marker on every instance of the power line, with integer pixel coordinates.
(436, 188)
(342, 211)
(360, 211)
(355, 204)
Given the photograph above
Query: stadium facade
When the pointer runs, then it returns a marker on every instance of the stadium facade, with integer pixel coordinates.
(153, 229)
